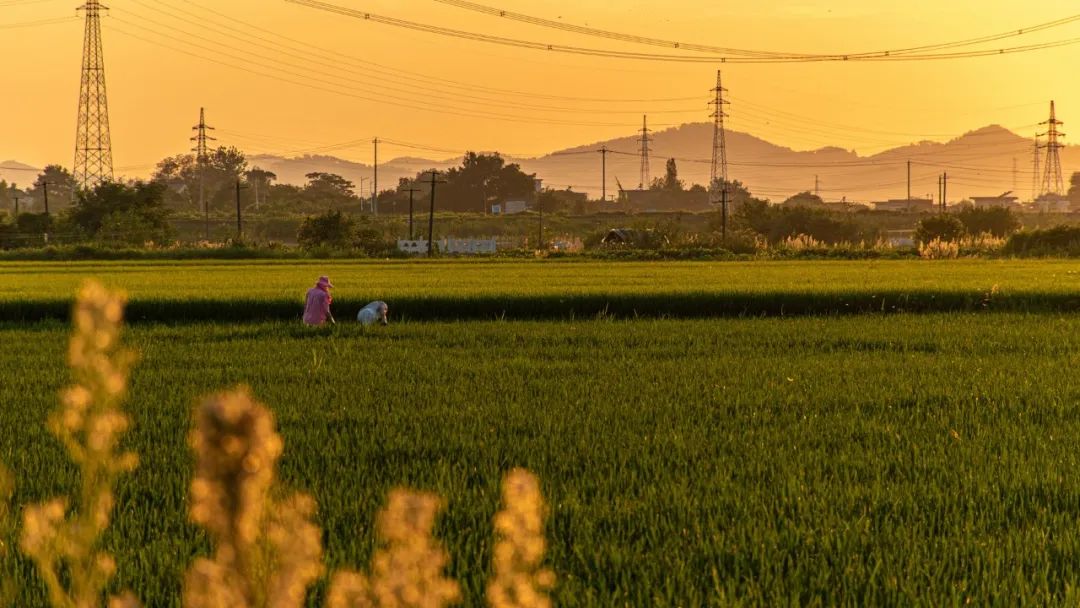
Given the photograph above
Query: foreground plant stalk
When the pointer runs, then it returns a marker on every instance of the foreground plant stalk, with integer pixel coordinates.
(407, 568)
(519, 579)
(63, 538)
(267, 551)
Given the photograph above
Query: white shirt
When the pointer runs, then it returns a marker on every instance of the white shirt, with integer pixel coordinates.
(373, 313)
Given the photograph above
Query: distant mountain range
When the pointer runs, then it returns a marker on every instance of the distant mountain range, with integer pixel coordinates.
(984, 162)
(978, 163)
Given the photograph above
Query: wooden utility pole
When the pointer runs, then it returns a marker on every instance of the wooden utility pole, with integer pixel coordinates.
(45, 189)
(603, 173)
(909, 182)
(431, 214)
(239, 218)
(412, 234)
(375, 181)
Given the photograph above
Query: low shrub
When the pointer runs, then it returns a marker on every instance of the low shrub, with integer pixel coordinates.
(1056, 241)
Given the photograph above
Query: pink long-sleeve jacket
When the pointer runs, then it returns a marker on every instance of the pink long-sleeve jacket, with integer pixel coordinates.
(317, 306)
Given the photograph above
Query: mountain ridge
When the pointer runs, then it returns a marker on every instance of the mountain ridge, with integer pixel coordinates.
(985, 161)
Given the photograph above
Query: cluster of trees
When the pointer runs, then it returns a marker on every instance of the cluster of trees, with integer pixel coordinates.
(115, 213)
(778, 223)
(997, 222)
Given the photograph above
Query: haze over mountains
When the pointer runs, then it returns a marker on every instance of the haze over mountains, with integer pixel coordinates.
(979, 163)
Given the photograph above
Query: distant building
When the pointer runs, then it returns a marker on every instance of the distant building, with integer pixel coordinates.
(1002, 200)
(906, 205)
(665, 200)
(416, 247)
(461, 246)
(510, 208)
(469, 246)
(1052, 203)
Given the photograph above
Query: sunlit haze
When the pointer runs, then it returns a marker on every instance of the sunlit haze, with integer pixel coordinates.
(358, 79)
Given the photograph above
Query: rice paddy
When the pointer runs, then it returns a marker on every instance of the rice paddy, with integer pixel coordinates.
(826, 459)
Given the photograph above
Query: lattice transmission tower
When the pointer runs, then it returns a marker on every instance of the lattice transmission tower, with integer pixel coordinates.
(202, 159)
(718, 178)
(93, 143)
(645, 139)
(1053, 182)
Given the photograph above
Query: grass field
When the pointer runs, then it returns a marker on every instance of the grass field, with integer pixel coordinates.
(457, 290)
(859, 460)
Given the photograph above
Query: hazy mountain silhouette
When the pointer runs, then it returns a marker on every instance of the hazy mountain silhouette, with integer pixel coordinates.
(14, 172)
(979, 163)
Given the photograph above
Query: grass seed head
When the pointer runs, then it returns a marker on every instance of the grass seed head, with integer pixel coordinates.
(519, 580)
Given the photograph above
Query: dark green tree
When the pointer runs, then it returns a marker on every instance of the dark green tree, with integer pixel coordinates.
(999, 222)
(329, 188)
(480, 180)
(183, 176)
(330, 229)
(1074, 190)
(60, 184)
(123, 213)
(670, 182)
(945, 227)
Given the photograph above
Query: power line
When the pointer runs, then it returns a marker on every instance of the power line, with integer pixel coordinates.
(302, 79)
(306, 46)
(644, 40)
(364, 78)
(612, 54)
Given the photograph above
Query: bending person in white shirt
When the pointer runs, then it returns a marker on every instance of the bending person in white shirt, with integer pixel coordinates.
(373, 313)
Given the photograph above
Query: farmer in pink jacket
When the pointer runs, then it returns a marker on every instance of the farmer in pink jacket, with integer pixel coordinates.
(317, 306)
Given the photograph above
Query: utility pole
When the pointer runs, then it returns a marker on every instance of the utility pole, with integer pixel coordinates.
(645, 139)
(202, 157)
(940, 197)
(817, 187)
(412, 191)
(375, 181)
(93, 141)
(540, 207)
(718, 176)
(1053, 182)
(944, 192)
(239, 220)
(909, 182)
(16, 196)
(45, 190)
(603, 173)
(431, 214)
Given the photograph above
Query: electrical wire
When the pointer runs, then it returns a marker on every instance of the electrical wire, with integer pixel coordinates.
(636, 39)
(713, 59)
(301, 79)
(365, 78)
(296, 45)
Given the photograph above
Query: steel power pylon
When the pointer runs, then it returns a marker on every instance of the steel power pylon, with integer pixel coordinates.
(645, 139)
(1053, 182)
(93, 142)
(718, 178)
(202, 158)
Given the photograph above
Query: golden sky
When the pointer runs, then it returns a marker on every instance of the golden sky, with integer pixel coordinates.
(290, 79)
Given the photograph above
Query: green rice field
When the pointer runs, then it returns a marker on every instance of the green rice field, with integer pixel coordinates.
(546, 289)
(718, 459)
